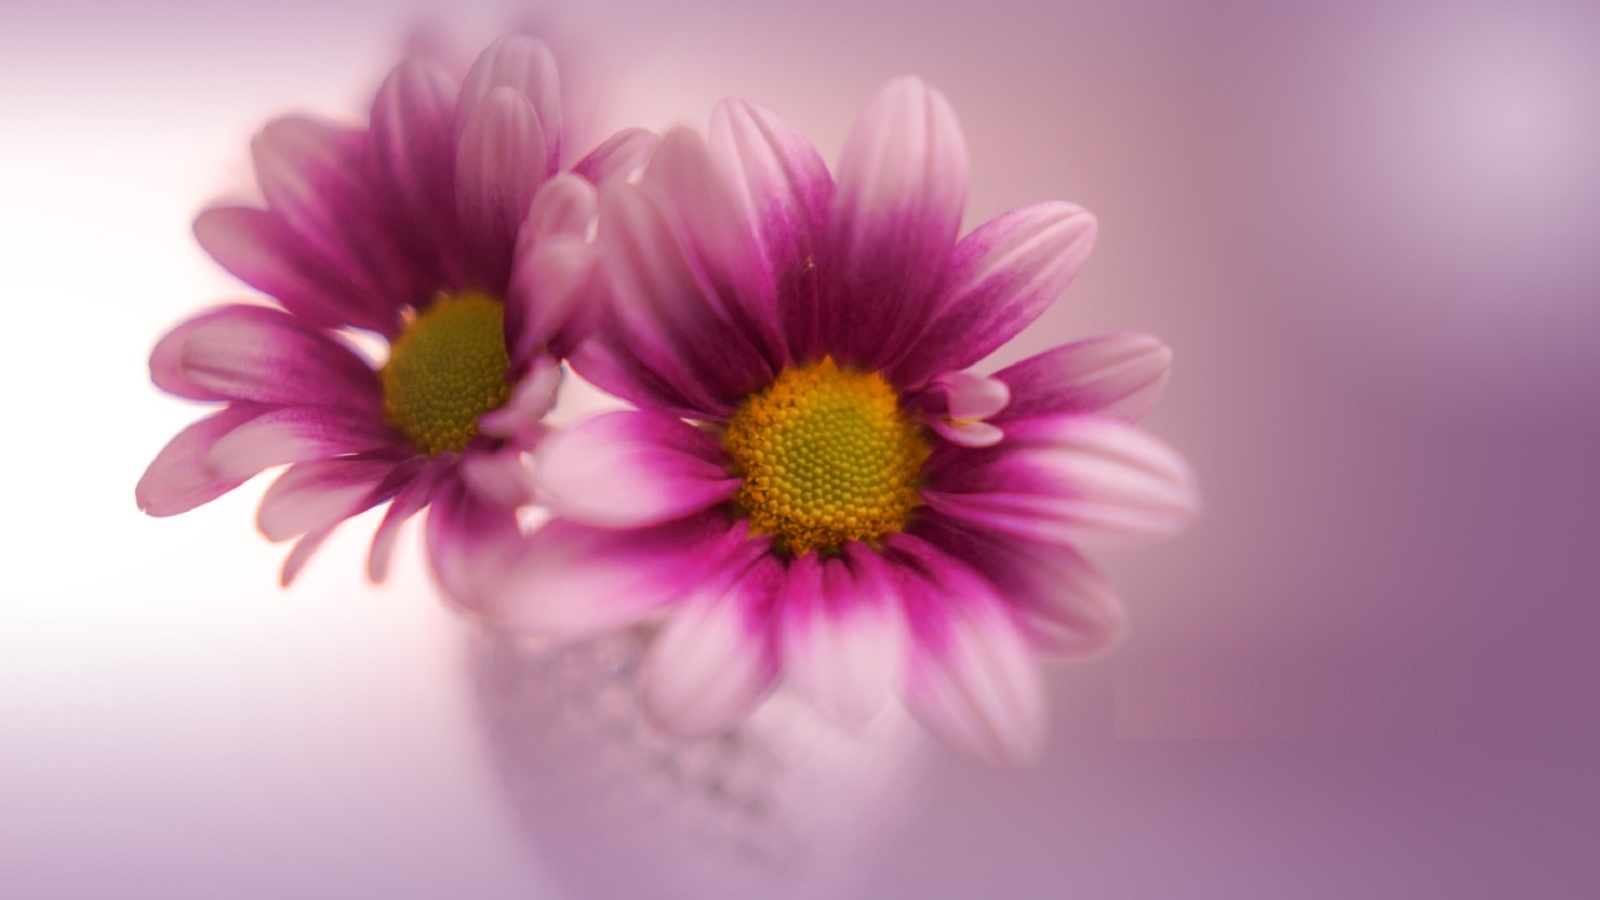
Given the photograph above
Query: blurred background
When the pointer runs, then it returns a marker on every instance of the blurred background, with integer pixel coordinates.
(1369, 231)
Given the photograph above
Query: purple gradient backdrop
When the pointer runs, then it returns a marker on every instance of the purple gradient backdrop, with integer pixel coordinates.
(1369, 233)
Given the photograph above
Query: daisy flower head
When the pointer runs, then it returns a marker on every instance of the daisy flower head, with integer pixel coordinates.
(814, 489)
(445, 228)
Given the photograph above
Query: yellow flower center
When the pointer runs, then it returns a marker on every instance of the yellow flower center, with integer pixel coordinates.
(447, 369)
(827, 456)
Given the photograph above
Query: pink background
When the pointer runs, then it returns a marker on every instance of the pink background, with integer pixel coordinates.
(1369, 233)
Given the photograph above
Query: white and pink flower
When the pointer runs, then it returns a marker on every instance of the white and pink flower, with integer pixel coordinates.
(447, 228)
(814, 489)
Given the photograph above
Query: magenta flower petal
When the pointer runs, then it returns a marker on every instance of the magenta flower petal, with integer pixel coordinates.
(566, 205)
(618, 372)
(664, 318)
(1002, 277)
(550, 287)
(553, 300)
(472, 543)
(313, 176)
(413, 496)
(499, 477)
(576, 581)
(1070, 478)
(714, 660)
(525, 66)
(1118, 375)
(1066, 608)
(320, 493)
(785, 192)
(972, 677)
(717, 238)
(303, 550)
(261, 354)
(969, 396)
(176, 481)
(297, 505)
(412, 137)
(902, 185)
(259, 248)
(617, 157)
(308, 171)
(293, 434)
(1070, 612)
(521, 420)
(166, 361)
(499, 167)
(411, 151)
(630, 469)
(552, 274)
(957, 403)
(844, 637)
(968, 434)
(976, 685)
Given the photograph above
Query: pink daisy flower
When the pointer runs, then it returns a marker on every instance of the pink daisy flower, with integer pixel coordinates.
(813, 489)
(443, 227)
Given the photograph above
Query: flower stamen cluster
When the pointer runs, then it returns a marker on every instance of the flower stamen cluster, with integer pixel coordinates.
(446, 370)
(827, 456)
